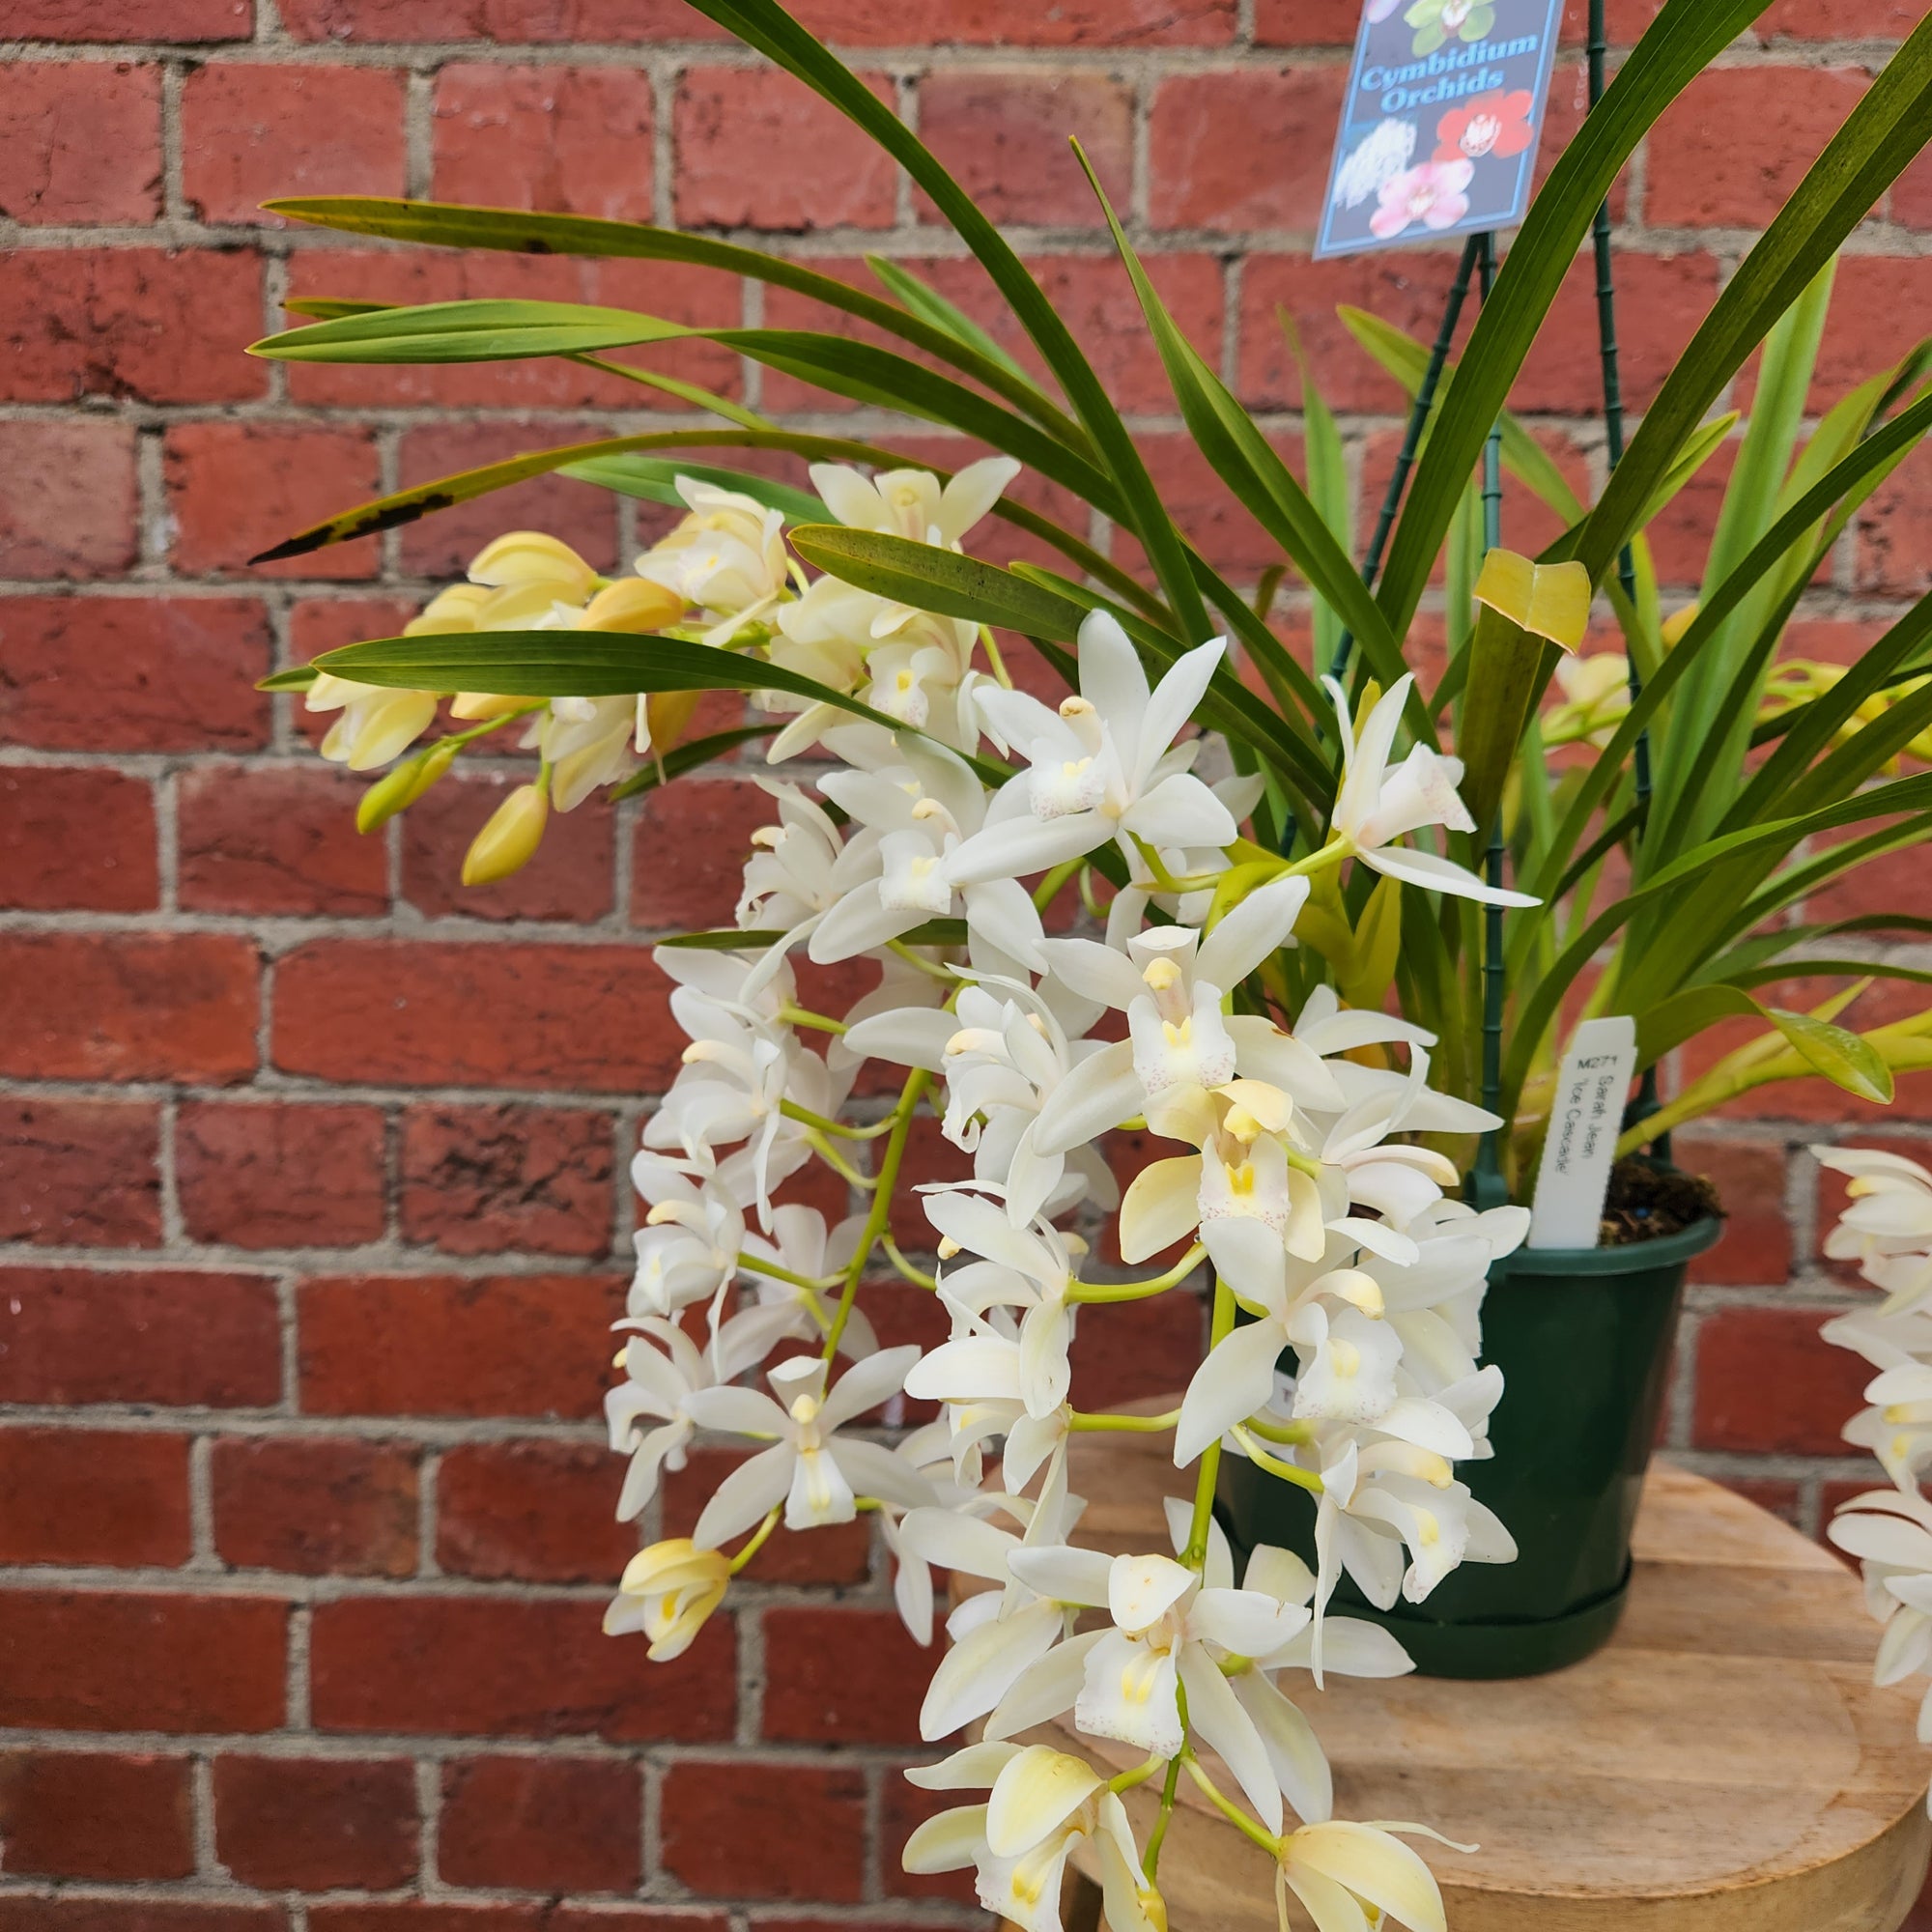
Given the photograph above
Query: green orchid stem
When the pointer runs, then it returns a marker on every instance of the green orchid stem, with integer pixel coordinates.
(1125, 1780)
(916, 1276)
(1302, 1479)
(752, 1264)
(837, 1161)
(1291, 1433)
(1150, 1857)
(994, 657)
(917, 1082)
(801, 1016)
(1048, 889)
(1195, 1555)
(758, 1542)
(1230, 1811)
(1139, 1291)
(1080, 1422)
(806, 1117)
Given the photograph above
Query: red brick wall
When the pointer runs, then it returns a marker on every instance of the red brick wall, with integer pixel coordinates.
(313, 1202)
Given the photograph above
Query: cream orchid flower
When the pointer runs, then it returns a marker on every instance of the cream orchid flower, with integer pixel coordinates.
(1887, 1228)
(668, 1592)
(1343, 1873)
(728, 556)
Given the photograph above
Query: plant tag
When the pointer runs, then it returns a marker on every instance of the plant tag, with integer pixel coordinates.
(1591, 1086)
(1440, 122)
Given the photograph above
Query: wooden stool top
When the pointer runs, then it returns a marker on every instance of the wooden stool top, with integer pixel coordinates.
(1725, 1764)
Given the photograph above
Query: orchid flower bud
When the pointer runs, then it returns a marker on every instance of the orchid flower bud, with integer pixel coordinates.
(509, 840)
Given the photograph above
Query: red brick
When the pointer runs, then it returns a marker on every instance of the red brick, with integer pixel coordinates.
(1203, 507)
(572, 878)
(1895, 524)
(410, 1915)
(594, 1018)
(1004, 138)
(837, 1553)
(1306, 23)
(1714, 162)
(80, 1173)
(1136, 1348)
(500, 1179)
(1837, 20)
(1662, 299)
(79, 1660)
(66, 499)
(1242, 151)
(80, 143)
(174, 21)
(88, 1497)
(63, 1912)
(700, 296)
(1079, 23)
(1404, 290)
(570, 140)
(128, 1005)
(279, 840)
(178, 1340)
(1755, 1248)
(536, 1512)
(317, 1506)
(236, 488)
(86, 1814)
(256, 1175)
(692, 841)
(252, 133)
(842, 1676)
(505, 21)
(438, 1664)
(314, 1825)
(147, 323)
(765, 1831)
(133, 673)
(512, 1344)
(541, 1823)
(1766, 1382)
(80, 838)
(809, 167)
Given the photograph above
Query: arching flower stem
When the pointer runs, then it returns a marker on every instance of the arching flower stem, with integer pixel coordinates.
(1139, 1291)
(917, 1082)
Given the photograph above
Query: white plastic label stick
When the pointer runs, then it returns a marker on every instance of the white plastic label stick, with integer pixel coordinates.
(1591, 1086)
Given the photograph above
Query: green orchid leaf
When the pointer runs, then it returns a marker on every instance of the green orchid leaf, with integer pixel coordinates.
(654, 480)
(296, 678)
(924, 300)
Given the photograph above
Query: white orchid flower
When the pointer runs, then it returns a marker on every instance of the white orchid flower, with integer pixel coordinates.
(728, 556)
(1376, 806)
(910, 503)
(1041, 1804)
(688, 1246)
(815, 1472)
(1887, 1228)
(1100, 768)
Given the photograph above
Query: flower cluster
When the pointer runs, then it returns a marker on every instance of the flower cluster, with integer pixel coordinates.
(1887, 1229)
(1297, 1174)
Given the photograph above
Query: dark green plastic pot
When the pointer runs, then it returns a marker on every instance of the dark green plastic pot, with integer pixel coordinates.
(1583, 1338)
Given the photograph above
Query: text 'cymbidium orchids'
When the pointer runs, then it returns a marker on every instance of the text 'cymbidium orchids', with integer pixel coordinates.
(918, 863)
(1887, 1229)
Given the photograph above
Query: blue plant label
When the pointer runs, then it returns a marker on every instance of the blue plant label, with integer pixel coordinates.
(1440, 124)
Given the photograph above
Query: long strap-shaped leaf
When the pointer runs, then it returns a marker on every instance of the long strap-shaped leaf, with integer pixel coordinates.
(1880, 137)
(583, 663)
(1683, 39)
(492, 332)
(517, 231)
(768, 27)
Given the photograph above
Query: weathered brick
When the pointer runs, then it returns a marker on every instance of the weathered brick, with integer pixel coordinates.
(414, 1914)
(83, 1496)
(133, 673)
(1755, 1249)
(238, 488)
(549, 1823)
(251, 133)
(571, 878)
(690, 848)
(80, 1173)
(590, 1017)
(536, 1512)
(490, 1179)
(1080, 23)
(507, 21)
(82, 1661)
(278, 840)
(80, 839)
(178, 23)
(153, 325)
(178, 1340)
(1241, 151)
(436, 1663)
(570, 140)
(809, 167)
(96, 1815)
(65, 1912)
(80, 142)
(842, 1675)
(256, 1175)
(1768, 1383)
(316, 1824)
(315, 1505)
(1661, 299)
(66, 499)
(511, 1345)
(130, 1005)
(1004, 138)
(765, 1831)
(1136, 1349)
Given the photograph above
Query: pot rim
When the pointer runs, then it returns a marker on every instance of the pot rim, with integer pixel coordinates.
(1632, 1258)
